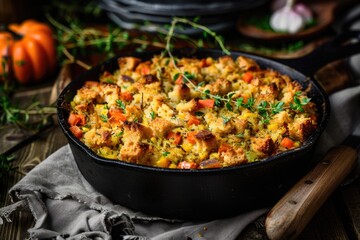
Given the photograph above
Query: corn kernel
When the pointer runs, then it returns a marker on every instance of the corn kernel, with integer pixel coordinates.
(163, 162)
(214, 155)
(273, 126)
(172, 165)
(187, 146)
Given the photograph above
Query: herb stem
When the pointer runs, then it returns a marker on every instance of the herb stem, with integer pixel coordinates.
(115, 40)
(73, 60)
(217, 38)
(56, 23)
(44, 110)
(168, 48)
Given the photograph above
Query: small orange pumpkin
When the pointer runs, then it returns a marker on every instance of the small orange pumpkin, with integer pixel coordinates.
(27, 51)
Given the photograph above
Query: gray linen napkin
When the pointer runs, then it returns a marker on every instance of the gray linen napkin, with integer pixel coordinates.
(66, 206)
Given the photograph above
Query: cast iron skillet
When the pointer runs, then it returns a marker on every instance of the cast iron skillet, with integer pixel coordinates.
(208, 193)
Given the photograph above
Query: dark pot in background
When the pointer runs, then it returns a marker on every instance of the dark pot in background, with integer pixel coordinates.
(15, 11)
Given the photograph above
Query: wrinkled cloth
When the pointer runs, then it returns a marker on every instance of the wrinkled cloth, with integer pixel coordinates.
(66, 206)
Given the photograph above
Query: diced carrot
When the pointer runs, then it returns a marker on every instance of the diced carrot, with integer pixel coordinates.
(176, 136)
(224, 148)
(76, 131)
(126, 96)
(116, 116)
(247, 77)
(193, 120)
(187, 165)
(73, 119)
(191, 137)
(203, 63)
(206, 103)
(287, 143)
(76, 119)
(179, 80)
(82, 120)
(90, 84)
(145, 69)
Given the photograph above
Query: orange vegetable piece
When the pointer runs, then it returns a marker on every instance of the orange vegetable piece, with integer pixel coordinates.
(23, 72)
(30, 51)
(287, 143)
(76, 131)
(116, 115)
(76, 119)
(206, 103)
(179, 80)
(224, 148)
(126, 96)
(191, 137)
(247, 77)
(203, 63)
(6, 41)
(176, 136)
(194, 120)
(145, 70)
(36, 55)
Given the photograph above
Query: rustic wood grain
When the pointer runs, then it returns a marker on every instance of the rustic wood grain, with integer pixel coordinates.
(326, 224)
(26, 159)
(334, 76)
(292, 213)
(351, 196)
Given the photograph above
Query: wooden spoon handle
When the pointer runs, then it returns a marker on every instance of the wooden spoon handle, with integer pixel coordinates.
(294, 211)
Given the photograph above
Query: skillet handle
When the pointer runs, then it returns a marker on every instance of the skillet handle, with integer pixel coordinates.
(293, 212)
(344, 45)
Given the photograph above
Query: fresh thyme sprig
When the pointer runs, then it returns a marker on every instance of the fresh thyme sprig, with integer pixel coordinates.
(186, 77)
(121, 105)
(206, 30)
(298, 103)
(103, 117)
(264, 109)
(30, 117)
(74, 39)
(34, 115)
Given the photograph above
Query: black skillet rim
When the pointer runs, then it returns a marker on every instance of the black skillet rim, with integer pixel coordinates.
(310, 142)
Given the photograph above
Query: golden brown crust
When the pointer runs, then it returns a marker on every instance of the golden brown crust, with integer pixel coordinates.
(200, 113)
(263, 146)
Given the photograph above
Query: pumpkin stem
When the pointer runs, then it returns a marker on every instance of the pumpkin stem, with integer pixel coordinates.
(4, 28)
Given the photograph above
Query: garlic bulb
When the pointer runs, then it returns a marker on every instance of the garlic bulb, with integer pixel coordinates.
(290, 18)
(304, 11)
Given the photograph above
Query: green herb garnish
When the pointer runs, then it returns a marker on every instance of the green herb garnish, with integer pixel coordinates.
(103, 118)
(121, 105)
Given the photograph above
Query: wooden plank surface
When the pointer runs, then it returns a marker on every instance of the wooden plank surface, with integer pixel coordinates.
(326, 225)
(26, 159)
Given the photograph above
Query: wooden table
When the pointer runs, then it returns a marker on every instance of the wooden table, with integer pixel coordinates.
(339, 218)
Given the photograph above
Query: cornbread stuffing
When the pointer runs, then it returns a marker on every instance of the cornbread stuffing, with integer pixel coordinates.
(191, 113)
